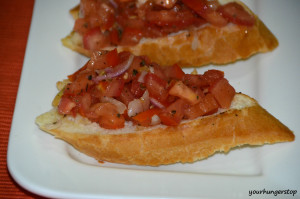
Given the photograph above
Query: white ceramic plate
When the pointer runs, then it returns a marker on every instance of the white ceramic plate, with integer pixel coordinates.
(52, 168)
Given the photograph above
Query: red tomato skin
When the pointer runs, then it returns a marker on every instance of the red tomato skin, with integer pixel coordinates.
(156, 86)
(131, 36)
(126, 96)
(65, 105)
(107, 116)
(81, 26)
(84, 103)
(116, 121)
(223, 92)
(112, 58)
(137, 88)
(236, 14)
(174, 72)
(212, 76)
(74, 75)
(195, 81)
(114, 37)
(173, 114)
(144, 118)
(114, 88)
(208, 10)
(207, 105)
(94, 39)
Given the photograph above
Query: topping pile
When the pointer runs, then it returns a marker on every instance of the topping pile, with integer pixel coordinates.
(106, 23)
(115, 87)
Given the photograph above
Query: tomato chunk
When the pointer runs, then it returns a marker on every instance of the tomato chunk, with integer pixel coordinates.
(74, 75)
(207, 105)
(156, 86)
(173, 115)
(65, 105)
(223, 92)
(235, 13)
(195, 81)
(208, 10)
(144, 118)
(94, 39)
(212, 76)
(184, 92)
(108, 116)
(114, 88)
(112, 58)
(126, 96)
(174, 72)
(137, 88)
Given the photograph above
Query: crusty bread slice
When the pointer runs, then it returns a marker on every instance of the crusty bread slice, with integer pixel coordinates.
(245, 123)
(205, 45)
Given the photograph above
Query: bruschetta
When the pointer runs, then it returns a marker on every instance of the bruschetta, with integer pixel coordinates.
(126, 109)
(187, 32)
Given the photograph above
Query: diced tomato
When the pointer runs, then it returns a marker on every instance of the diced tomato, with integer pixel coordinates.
(81, 84)
(236, 14)
(88, 7)
(208, 10)
(94, 39)
(144, 118)
(112, 58)
(111, 121)
(207, 105)
(177, 17)
(126, 96)
(174, 72)
(74, 75)
(195, 81)
(114, 36)
(156, 86)
(65, 105)
(84, 104)
(108, 20)
(131, 36)
(81, 26)
(174, 94)
(109, 117)
(215, 17)
(212, 76)
(173, 115)
(184, 92)
(137, 88)
(114, 88)
(223, 92)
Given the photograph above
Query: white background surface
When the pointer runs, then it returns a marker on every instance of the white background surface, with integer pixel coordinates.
(50, 167)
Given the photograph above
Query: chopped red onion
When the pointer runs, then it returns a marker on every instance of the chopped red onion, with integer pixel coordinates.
(116, 71)
(156, 103)
(141, 78)
(155, 120)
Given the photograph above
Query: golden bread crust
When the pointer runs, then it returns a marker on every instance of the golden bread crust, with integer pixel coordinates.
(205, 45)
(190, 141)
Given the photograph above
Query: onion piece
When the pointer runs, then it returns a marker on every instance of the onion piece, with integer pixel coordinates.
(120, 106)
(141, 78)
(137, 106)
(155, 120)
(116, 71)
(156, 103)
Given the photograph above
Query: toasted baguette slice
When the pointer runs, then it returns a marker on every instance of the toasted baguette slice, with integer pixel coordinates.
(205, 45)
(245, 123)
